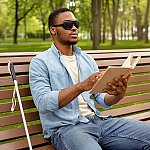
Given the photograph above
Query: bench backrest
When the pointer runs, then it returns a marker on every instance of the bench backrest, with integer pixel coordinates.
(12, 134)
(139, 84)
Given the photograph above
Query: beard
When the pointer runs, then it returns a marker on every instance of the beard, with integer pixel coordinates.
(64, 40)
(70, 42)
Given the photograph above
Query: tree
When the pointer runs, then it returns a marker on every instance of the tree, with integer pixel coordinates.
(19, 14)
(42, 12)
(96, 22)
(83, 15)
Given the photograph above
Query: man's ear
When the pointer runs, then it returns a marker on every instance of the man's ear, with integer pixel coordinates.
(53, 30)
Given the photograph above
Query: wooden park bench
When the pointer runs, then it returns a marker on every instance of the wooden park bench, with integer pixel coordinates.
(12, 135)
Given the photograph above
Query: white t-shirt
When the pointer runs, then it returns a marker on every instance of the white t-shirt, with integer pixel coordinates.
(71, 65)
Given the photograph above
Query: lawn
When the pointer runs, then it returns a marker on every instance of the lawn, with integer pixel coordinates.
(32, 45)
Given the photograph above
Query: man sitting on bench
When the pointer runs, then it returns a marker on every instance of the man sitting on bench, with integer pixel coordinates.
(60, 80)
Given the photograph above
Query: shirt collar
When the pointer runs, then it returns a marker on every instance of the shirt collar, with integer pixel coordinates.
(76, 50)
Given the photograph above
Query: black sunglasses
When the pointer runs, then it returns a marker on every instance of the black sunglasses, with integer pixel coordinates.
(68, 24)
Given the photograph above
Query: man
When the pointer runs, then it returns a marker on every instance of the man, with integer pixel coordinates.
(60, 80)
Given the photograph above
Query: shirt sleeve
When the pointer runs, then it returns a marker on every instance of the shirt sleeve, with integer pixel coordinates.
(44, 98)
(100, 99)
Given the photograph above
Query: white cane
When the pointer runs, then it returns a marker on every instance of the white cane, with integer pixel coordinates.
(12, 73)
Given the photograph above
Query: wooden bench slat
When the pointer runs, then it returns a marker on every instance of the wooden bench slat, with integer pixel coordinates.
(141, 116)
(127, 110)
(16, 119)
(118, 55)
(142, 69)
(19, 132)
(18, 54)
(22, 144)
(5, 94)
(7, 81)
(130, 99)
(18, 68)
(117, 51)
(137, 88)
(27, 104)
(15, 60)
(119, 62)
(134, 98)
(48, 147)
(141, 78)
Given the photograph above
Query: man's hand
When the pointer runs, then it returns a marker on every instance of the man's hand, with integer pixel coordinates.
(119, 87)
(67, 95)
(116, 91)
(88, 83)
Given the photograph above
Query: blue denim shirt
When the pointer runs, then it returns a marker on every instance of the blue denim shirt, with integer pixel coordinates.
(47, 76)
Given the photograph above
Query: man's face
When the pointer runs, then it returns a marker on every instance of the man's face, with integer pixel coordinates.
(66, 37)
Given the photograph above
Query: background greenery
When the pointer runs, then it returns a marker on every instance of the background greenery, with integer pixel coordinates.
(104, 24)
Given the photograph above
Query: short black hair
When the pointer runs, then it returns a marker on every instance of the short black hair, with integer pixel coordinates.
(54, 14)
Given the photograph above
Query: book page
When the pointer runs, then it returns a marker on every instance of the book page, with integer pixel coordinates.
(131, 62)
(127, 62)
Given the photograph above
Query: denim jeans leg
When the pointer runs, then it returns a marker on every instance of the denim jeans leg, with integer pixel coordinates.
(76, 137)
(104, 133)
(125, 134)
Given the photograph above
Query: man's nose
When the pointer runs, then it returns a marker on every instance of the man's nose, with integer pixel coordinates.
(74, 27)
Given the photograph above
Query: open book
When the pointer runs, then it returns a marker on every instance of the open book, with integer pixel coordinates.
(115, 71)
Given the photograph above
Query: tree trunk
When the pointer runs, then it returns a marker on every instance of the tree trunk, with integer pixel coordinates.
(113, 41)
(16, 33)
(113, 19)
(138, 20)
(104, 20)
(146, 21)
(125, 28)
(121, 31)
(128, 29)
(100, 20)
(16, 23)
(132, 32)
(25, 29)
(96, 23)
(25, 22)
(43, 23)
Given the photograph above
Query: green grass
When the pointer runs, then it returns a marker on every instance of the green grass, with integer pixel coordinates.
(25, 47)
(37, 45)
(126, 44)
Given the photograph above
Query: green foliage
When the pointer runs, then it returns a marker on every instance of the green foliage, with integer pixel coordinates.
(83, 14)
(5, 21)
(41, 10)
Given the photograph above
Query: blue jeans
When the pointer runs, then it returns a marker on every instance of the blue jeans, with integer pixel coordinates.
(103, 134)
